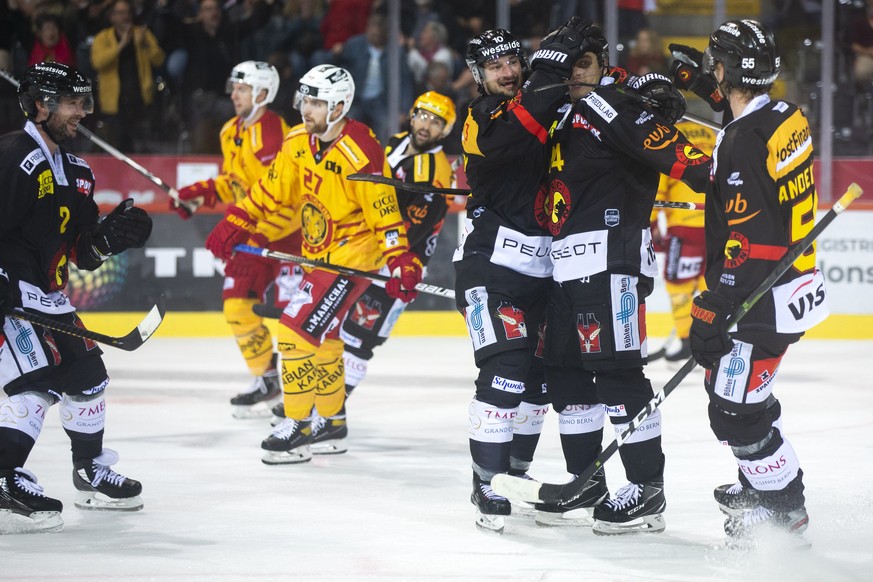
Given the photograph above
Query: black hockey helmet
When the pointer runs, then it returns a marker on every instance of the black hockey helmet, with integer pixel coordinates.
(748, 51)
(490, 45)
(50, 82)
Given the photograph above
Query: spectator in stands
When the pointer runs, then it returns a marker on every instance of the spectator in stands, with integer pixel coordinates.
(123, 55)
(429, 47)
(302, 35)
(343, 20)
(647, 54)
(51, 43)
(861, 37)
(365, 58)
(211, 49)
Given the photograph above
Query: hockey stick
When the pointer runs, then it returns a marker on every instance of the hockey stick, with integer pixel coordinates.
(425, 189)
(421, 287)
(133, 340)
(525, 490)
(173, 193)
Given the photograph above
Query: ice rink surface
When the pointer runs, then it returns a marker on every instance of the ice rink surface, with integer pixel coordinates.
(396, 506)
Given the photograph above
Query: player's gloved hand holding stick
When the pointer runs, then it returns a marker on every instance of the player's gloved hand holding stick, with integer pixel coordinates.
(192, 197)
(406, 273)
(126, 227)
(709, 328)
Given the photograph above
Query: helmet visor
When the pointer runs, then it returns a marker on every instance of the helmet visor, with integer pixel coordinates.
(85, 101)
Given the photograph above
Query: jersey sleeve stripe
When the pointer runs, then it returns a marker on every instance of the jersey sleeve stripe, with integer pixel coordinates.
(529, 123)
(766, 252)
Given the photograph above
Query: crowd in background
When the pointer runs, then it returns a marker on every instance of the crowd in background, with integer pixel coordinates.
(160, 66)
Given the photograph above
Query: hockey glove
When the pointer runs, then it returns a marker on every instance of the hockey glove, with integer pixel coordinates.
(709, 328)
(664, 96)
(405, 275)
(236, 228)
(561, 48)
(198, 194)
(686, 70)
(7, 300)
(126, 227)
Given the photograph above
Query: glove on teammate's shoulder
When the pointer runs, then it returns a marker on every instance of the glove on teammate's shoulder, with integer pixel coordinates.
(686, 70)
(665, 97)
(561, 48)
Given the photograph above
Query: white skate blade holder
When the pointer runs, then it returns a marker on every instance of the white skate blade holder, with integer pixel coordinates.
(492, 524)
(93, 500)
(646, 524)
(330, 447)
(293, 457)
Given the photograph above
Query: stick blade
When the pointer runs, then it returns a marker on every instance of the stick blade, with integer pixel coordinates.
(146, 328)
(516, 487)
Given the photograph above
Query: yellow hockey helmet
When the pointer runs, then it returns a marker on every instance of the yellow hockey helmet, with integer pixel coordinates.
(439, 105)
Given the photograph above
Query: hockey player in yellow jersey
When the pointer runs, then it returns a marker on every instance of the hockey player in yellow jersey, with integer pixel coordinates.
(354, 224)
(683, 245)
(250, 142)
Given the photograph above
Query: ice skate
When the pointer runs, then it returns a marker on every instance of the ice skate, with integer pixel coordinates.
(329, 434)
(99, 487)
(734, 498)
(579, 511)
(745, 530)
(24, 508)
(278, 412)
(289, 443)
(490, 507)
(635, 508)
(259, 398)
(680, 352)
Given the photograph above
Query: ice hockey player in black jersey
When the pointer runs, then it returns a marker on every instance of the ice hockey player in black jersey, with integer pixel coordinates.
(606, 156)
(762, 200)
(502, 267)
(48, 221)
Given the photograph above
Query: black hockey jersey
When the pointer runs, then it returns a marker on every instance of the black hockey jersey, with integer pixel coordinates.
(763, 200)
(504, 145)
(47, 205)
(606, 159)
(424, 214)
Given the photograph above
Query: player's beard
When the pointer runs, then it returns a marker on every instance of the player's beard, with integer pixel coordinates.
(425, 144)
(57, 130)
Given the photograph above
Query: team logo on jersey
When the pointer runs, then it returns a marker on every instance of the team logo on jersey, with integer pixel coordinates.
(689, 155)
(367, 312)
(513, 320)
(736, 250)
(588, 328)
(317, 224)
(46, 184)
(557, 206)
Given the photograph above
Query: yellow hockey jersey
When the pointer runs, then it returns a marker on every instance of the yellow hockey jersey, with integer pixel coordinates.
(354, 224)
(247, 153)
(671, 190)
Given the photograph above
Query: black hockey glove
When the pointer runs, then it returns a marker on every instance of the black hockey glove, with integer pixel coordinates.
(664, 96)
(7, 300)
(686, 70)
(126, 227)
(709, 336)
(561, 48)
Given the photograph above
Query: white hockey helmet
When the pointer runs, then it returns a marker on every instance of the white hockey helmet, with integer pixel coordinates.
(259, 76)
(327, 83)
